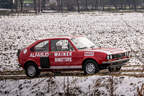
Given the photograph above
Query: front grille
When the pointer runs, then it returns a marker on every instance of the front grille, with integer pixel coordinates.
(121, 55)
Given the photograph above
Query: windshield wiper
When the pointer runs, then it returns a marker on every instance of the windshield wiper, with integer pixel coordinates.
(82, 48)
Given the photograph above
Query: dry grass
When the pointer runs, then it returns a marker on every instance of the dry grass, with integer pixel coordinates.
(140, 91)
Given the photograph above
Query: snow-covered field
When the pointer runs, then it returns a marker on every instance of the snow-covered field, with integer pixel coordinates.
(104, 29)
(119, 30)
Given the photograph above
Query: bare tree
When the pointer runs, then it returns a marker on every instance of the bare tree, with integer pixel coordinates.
(134, 4)
(78, 7)
(61, 5)
(16, 5)
(43, 7)
(58, 5)
(96, 4)
(86, 4)
(37, 6)
(21, 5)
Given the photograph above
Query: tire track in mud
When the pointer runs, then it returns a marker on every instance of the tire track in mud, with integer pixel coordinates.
(133, 73)
(127, 70)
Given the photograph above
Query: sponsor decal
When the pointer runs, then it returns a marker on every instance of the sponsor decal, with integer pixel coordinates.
(62, 54)
(39, 54)
(65, 59)
(88, 53)
(25, 51)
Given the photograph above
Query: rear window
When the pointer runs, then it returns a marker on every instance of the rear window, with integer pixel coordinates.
(42, 46)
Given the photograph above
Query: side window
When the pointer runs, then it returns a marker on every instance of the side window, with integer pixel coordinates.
(61, 45)
(42, 46)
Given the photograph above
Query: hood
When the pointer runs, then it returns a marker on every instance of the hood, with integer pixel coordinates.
(108, 51)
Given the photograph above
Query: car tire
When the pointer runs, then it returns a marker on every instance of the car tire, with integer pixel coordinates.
(90, 67)
(32, 70)
(117, 69)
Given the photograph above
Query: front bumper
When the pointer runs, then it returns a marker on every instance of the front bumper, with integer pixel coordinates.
(116, 63)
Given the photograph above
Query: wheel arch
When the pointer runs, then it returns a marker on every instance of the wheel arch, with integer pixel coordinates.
(27, 63)
(86, 60)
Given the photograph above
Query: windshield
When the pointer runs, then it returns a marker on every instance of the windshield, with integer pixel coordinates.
(83, 43)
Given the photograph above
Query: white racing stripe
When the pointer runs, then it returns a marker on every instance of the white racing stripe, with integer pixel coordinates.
(12, 75)
(66, 67)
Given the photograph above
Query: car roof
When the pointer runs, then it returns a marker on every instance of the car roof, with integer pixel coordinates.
(57, 37)
(61, 37)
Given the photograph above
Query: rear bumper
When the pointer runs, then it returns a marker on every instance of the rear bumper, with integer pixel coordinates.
(116, 63)
(19, 65)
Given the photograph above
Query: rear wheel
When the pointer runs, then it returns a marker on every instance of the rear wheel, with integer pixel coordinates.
(32, 70)
(90, 67)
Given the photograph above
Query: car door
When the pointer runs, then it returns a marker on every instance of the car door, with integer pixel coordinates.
(77, 56)
(60, 54)
(63, 55)
(40, 52)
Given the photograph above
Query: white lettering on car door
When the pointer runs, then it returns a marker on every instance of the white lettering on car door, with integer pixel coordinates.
(59, 58)
(39, 54)
(65, 59)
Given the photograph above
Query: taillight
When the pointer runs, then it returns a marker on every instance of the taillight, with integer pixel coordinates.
(18, 52)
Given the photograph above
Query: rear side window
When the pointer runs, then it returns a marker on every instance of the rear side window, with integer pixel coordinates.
(42, 46)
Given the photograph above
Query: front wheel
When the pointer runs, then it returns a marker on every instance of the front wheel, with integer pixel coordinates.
(90, 67)
(32, 70)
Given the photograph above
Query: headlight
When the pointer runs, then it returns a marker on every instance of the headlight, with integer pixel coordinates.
(109, 56)
(127, 53)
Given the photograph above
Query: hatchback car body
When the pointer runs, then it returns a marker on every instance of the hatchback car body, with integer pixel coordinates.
(70, 53)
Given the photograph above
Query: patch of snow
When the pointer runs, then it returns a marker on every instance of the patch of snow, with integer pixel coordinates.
(92, 85)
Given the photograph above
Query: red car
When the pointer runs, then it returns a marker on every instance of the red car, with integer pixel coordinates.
(70, 53)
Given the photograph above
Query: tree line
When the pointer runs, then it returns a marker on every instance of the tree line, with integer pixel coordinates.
(81, 5)
(73, 5)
